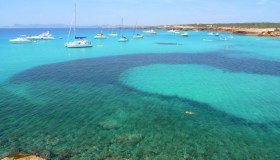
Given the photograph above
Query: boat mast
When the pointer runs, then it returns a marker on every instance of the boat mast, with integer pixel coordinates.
(122, 28)
(75, 23)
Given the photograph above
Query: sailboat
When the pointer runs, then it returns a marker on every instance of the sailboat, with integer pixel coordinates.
(79, 42)
(112, 34)
(123, 38)
(137, 35)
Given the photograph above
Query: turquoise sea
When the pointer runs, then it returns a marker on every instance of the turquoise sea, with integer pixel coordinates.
(163, 97)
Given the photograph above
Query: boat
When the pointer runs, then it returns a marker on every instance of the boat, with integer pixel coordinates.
(42, 36)
(185, 34)
(100, 36)
(211, 34)
(123, 38)
(171, 31)
(151, 31)
(217, 34)
(176, 32)
(137, 35)
(223, 39)
(79, 42)
(113, 35)
(20, 40)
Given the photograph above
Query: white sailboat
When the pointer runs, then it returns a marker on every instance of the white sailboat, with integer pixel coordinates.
(79, 42)
(123, 38)
(113, 34)
(20, 40)
(137, 35)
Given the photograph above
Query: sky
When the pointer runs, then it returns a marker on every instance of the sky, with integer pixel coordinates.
(145, 12)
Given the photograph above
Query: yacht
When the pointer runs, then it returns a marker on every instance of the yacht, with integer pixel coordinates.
(100, 36)
(79, 42)
(185, 34)
(43, 36)
(20, 40)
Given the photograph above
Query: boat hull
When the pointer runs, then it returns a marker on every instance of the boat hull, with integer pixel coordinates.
(78, 44)
(20, 42)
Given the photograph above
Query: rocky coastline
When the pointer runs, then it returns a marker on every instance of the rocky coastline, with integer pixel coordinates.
(264, 32)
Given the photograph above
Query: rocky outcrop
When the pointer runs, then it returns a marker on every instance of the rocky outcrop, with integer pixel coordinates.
(23, 156)
(270, 34)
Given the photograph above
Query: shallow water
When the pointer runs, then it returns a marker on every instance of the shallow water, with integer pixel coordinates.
(129, 100)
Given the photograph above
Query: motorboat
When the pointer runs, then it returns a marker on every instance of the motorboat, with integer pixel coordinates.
(211, 34)
(79, 42)
(20, 40)
(100, 36)
(42, 36)
(217, 34)
(151, 31)
(185, 34)
(223, 39)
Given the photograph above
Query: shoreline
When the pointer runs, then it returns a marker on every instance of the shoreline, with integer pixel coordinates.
(262, 32)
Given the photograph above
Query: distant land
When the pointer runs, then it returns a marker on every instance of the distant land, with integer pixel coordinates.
(54, 26)
(265, 29)
(238, 25)
(250, 29)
